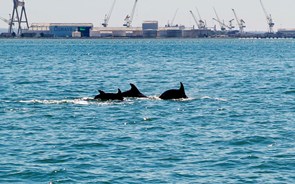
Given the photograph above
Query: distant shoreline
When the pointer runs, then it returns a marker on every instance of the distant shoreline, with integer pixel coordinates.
(127, 38)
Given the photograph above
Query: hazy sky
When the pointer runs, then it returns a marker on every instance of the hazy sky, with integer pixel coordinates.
(93, 11)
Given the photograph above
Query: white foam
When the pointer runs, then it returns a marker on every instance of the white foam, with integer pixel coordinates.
(79, 101)
(217, 99)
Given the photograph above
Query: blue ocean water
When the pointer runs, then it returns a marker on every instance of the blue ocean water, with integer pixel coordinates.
(238, 125)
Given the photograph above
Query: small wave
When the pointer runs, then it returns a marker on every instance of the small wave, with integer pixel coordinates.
(73, 101)
(217, 99)
(16, 110)
(89, 145)
(79, 101)
(181, 99)
(290, 92)
(153, 98)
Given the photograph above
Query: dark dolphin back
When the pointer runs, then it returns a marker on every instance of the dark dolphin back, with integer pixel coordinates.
(174, 93)
(109, 96)
(133, 92)
(119, 95)
(101, 93)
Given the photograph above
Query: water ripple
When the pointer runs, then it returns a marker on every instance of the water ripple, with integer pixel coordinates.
(237, 126)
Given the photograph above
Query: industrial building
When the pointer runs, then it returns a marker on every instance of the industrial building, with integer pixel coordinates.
(116, 32)
(287, 33)
(66, 30)
(150, 29)
(59, 30)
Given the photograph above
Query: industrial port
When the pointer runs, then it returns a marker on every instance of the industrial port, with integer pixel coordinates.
(18, 26)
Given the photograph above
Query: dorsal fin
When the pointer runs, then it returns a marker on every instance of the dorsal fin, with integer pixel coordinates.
(181, 87)
(101, 92)
(119, 91)
(133, 87)
(182, 91)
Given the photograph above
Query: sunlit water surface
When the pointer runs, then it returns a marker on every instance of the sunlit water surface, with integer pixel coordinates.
(238, 125)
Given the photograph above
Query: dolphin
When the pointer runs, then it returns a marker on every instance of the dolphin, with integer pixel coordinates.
(174, 93)
(109, 96)
(133, 92)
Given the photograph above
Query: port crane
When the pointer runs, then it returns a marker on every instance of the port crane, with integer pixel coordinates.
(7, 21)
(200, 23)
(108, 16)
(231, 26)
(268, 18)
(222, 25)
(171, 24)
(129, 18)
(240, 22)
(195, 19)
(21, 17)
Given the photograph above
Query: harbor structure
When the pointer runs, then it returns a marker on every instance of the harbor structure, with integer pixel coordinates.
(116, 32)
(129, 18)
(286, 33)
(150, 29)
(19, 26)
(268, 19)
(240, 22)
(108, 16)
(66, 30)
(18, 18)
(58, 30)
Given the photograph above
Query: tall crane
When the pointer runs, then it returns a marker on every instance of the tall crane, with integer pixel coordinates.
(173, 19)
(222, 25)
(129, 18)
(21, 17)
(7, 21)
(108, 16)
(240, 22)
(195, 19)
(268, 19)
(200, 23)
(171, 24)
(231, 24)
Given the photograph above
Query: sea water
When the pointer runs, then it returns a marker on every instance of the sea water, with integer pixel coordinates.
(237, 126)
